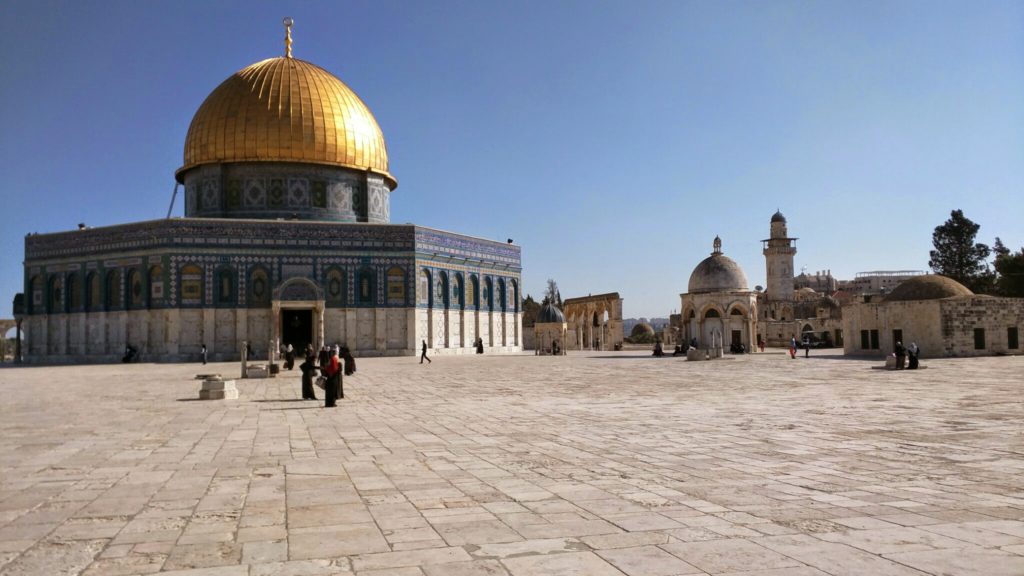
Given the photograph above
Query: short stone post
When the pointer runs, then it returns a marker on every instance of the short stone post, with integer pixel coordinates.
(217, 388)
(245, 359)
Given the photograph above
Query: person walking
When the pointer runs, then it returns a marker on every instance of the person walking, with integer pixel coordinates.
(792, 347)
(807, 348)
(323, 358)
(333, 373)
(423, 353)
(308, 369)
(204, 354)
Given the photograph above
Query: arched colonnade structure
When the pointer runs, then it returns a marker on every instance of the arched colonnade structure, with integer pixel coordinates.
(594, 322)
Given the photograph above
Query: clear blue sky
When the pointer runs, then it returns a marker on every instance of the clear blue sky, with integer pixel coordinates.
(612, 140)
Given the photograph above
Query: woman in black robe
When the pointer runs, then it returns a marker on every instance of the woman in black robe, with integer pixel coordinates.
(308, 369)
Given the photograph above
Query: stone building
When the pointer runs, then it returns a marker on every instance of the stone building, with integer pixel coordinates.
(878, 281)
(594, 322)
(718, 309)
(550, 331)
(286, 239)
(941, 315)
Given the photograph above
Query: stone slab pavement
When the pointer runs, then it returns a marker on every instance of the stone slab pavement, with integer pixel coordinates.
(590, 464)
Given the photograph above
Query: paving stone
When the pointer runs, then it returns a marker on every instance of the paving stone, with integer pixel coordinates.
(835, 559)
(526, 547)
(333, 541)
(971, 561)
(519, 461)
(410, 558)
(889, 540)
(647, 561)
(474, 568)
(728, 555)
(572, 564)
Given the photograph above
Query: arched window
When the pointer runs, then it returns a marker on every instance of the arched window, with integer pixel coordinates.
(502, 295)
(488, 293)
(74, 292)
(396, 286)
(38, 303)
(712, 313)
(458, 291)
(259, 287)
(56, 296)
(474, 291)
(156, 285)
(113, 290)
(135, 292)
(736, 311)
(93, 292)
(442, 289)
(365, 286)
(191, 285)
(334, 282)
(226, 286)
(424, 287)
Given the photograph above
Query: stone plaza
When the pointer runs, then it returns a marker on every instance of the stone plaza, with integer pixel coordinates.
(589, 464)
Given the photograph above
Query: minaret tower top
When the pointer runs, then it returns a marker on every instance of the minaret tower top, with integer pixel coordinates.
(778, 252)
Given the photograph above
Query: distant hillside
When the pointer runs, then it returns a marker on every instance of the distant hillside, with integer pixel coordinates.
(656, 323)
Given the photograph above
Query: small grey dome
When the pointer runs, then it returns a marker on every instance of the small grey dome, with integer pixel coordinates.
(778, 217)
(550, 313)
(717, 273)
(928, 287)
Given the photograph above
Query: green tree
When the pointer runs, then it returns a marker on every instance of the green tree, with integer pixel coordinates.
(1010, 270)
(530, 310)
(958, 256)
(551, 295)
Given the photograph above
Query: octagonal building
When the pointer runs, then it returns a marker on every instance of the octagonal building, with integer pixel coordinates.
(286, 240)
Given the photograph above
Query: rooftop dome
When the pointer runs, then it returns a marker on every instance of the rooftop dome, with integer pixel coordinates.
(641, 329)
(778, 217)
(927, 287)
(717, 273)
(285, 110)
(550, 313)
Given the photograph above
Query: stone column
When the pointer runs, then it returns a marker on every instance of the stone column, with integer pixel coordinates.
(319, 312)
(17, 340)
(380, 329)
(352, 328)
(410, 329)
(241, 325)
(210, 330)
(173, 328)
(275, 322)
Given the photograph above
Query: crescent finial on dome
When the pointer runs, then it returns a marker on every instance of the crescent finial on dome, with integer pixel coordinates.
(288, 22)
(717, 245)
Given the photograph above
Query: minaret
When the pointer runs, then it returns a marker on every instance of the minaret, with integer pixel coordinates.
(778, 255)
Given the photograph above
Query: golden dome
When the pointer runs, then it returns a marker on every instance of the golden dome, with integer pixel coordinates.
(285, 110)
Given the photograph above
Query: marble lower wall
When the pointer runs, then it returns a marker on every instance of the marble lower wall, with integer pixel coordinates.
(178, 335)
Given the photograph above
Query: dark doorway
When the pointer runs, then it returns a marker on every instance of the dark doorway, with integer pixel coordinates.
(737, 337)
(297, 329)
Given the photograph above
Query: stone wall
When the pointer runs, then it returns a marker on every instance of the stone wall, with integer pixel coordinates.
(941, 328)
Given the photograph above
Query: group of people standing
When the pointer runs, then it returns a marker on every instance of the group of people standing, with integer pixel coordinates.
(331, 362)
(913, 352)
